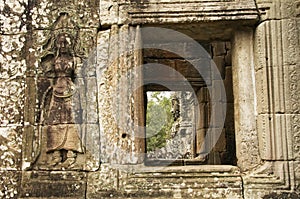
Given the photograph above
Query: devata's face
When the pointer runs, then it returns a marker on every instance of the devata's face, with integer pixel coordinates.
(63, 43)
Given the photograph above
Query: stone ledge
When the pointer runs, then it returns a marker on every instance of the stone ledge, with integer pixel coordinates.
(187, 11)
(58, 184)
(184, 181)
(184, 169)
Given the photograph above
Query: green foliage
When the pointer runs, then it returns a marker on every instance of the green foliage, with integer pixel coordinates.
(159, 120)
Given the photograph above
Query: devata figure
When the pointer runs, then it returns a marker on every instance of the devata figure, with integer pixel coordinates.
(62, 131)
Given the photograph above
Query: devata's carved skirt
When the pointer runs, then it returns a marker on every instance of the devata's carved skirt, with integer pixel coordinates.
(63, 118)
(63, 136)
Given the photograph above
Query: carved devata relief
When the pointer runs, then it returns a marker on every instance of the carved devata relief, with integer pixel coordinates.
(60, 104)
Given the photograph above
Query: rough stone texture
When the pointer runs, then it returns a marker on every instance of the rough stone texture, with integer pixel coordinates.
(10, 184)
(10, 161)
(296, 166)
(11, 146)
(276, 74)
(264, 101)
(244, 102)
(44, 13)
(174, 182)
(145, 12)
(103, 182)
(12, 83)
(57, 184)
(184, 182)
(118, 84)
(13, 16)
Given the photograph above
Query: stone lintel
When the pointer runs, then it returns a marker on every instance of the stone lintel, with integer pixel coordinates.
(170, 12)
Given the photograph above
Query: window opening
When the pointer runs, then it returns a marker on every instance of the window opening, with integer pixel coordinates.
(177, 121)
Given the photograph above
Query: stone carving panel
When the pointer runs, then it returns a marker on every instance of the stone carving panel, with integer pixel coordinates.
(294, 107)
(60, 114)
(290, 42)
(293, 89)
(295, 124)
(62, 131)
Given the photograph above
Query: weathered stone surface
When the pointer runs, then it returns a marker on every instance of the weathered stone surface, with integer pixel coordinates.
(10, 184)
(185, 181)
(277, 125)
(220, 63)
(118, 106)
(57, 184)
(295, 130)
(10, 148)
(12, 101)
(244, 102)
(228, 85)
(262, 111)
(91, 142)
(31, 149)
(297, 174)
(281, 9)
(13, 16)
(281, 195)
(290, 46)
(12, 61)
(44, 13)
(145, 12)
(292, 89)
(12, 82)
(91, 101)
(262, 92)
(103, 182)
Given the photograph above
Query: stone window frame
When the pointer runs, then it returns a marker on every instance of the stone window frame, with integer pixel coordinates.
(252, 167)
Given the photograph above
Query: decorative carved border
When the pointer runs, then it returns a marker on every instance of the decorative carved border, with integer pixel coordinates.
(277, 119)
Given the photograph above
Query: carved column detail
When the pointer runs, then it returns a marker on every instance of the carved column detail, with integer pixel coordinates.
(277, 81)
(273, 100)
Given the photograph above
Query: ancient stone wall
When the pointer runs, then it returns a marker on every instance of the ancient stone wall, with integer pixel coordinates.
(276, 48)
(72, 106)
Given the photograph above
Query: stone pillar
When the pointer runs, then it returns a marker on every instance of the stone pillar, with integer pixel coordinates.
(277, 86)
(244, 100)
(121, 98)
